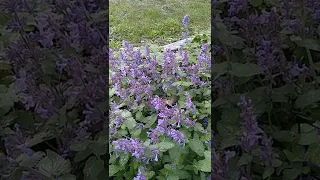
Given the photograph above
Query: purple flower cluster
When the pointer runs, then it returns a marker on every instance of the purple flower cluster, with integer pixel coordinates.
(140, 176)
(252, 135)
(16, 145)
(135, 148)
(141, 81)
(185, 22)
(59, 66)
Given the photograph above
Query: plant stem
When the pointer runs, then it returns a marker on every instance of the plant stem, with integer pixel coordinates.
(312, 68)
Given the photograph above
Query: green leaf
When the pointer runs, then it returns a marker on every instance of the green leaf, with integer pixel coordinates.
(228, 142)
(244, 70)
(138, 115)
(204, 165)
(245, 159)
(93, 167)
(98, 149)
(282, 136)
(307, 99)
(268, 171)
(175, 154)
(164, 146)
(196, 145)
(68, 177)
(31, 162)
(227, 129)
(219, 68)
(229, 39)
(306, 128)
(276, 163)
(130, 123)
(54, 165)
(150, 120)
(313, 44)
(123, 159)
(183, 174)
(82, 155)
(173, 177)
(113, 169)
(256, 3)
(100, 16)
(126, 114)
(79, 146)
(313, 154)
(290, 174)
(91, 69)
(308, 138)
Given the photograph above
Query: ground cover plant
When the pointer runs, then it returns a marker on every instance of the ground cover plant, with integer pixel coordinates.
(160, 111)
(150, 22)
(266, 89)
(54, 89)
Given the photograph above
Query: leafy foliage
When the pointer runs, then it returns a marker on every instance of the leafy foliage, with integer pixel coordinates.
(53, 89)
(160, 111)
(266, 89)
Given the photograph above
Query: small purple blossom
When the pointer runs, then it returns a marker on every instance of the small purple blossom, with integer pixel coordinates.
(176, 136)
(132, 146)
(185, 22)
(140, 176)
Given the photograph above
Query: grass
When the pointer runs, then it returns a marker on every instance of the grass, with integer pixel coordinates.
(158, 22)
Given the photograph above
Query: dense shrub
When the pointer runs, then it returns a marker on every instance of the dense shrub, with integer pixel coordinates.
(54, 95)
(160, 112)
(266, 89)
(54, 89)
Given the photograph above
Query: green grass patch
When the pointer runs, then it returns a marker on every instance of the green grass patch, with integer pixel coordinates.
(158, 22)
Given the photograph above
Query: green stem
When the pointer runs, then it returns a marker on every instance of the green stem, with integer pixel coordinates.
(314, 75)
(229, 66)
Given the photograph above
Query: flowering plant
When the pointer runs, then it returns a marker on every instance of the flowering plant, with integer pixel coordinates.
(266, 85)
(54, 86)
(160, 112)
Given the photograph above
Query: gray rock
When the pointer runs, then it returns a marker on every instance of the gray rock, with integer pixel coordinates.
(176, 45)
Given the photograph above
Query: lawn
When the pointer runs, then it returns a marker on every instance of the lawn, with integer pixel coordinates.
(158, 22)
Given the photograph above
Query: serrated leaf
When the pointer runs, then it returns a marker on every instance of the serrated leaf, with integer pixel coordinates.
(164, 146)
(306, 128)
(219, 68)
(130, 123)
(196, 145)
(276, 163)
(204, 165)
(291, 174)
(68, 177)
(79, 146)
(54, 165)
(173, 177)
(228, 142)
(82, 155)
(175, 154)
(307, 99)
(31, 162)
(38, 138)
(245, 159)
(313, 154)
(308, 138)
(150, 121)
(113, 169)
(93, 167)
(282, 136)
(313, 44)
(123, 159)
(268, 171)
